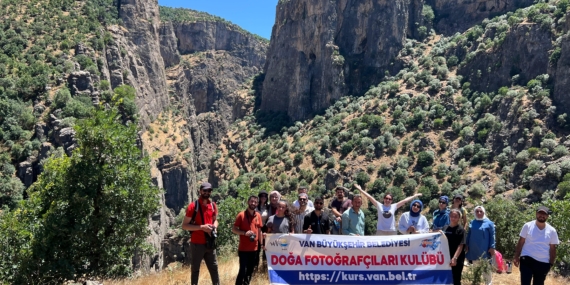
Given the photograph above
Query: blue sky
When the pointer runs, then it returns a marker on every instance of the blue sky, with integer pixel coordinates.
(256, 16)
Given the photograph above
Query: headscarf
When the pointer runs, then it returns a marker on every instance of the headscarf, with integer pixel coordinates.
(444, 198)
(484, 213)
(412, 213)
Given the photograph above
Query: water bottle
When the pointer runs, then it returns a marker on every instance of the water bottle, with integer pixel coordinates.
(509, 267)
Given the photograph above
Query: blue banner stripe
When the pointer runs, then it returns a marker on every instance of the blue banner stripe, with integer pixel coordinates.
(361, 277)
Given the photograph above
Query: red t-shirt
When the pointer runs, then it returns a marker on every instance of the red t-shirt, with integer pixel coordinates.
(246, 222)
(198, 237)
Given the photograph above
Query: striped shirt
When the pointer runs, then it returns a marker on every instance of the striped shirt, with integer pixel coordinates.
(300, 219)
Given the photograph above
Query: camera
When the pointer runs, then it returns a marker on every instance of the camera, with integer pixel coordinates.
(214, 234)
(252, 238)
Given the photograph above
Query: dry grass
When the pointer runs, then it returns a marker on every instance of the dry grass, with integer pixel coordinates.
(178, 275)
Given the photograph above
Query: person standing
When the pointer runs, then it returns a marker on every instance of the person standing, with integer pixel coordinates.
(201, 220)
(301, 212)
(338, 206)
(413, 222)
(386, 212)
(274, 198)
(316, 222)
(248, 227)
(480, 242)
(536, 249)
(353, 218)
(263, 210)
(458, 204)
(281, 222)
(441, 215)
(301, 190)
(456, 237)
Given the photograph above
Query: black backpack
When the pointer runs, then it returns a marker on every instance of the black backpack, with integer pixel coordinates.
(210, 239)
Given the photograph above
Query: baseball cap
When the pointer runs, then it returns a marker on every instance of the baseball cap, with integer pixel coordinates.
(543, 209)
(458, 196)
(205, 185)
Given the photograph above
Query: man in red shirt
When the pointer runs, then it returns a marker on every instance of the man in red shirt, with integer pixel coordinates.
(248, 227)
(203, 224)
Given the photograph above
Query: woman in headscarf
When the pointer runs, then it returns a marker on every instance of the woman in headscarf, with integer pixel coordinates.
(441, 215)
(480, 243)
(413, 222)
(456, 238)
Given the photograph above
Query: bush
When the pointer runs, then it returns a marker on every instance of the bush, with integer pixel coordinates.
(563, 188)
(362, 178)
(378, 186)
(554, 171)
(425, 158)
(409, 186)
(477, 190)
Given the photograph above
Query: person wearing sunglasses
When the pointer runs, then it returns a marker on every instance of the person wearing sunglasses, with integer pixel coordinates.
(200, 225)
(316, 222)
(301, 212)
(386, 212)
(441, 215)
(413, 222)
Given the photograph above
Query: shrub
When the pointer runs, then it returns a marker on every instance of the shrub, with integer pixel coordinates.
(519, 194)
(409, 186)
(523, 156)
(378, 186)
(425, 158)
(343, 164)
(362, 178)
(477, 190)
(563, 188)
(549, 144)
(533, 168)
(560, 151)
(554, 171)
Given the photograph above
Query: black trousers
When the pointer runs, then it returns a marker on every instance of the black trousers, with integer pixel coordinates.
(532, 269)
(246, 265)
(457, 269)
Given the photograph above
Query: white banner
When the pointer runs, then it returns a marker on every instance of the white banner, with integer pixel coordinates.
(332, 259)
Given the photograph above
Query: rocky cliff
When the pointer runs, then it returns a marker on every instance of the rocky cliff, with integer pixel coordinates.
(453, 16)
(322, 50)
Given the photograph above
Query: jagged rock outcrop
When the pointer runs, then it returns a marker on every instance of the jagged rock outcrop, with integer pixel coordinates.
(562, 78)
(525, 51)
(168, 45)
(135, 56)
(453, 16)
(320, 51)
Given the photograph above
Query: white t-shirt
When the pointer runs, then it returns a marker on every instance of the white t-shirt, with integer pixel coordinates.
(386, 217)
(420, 223)
(537, 242)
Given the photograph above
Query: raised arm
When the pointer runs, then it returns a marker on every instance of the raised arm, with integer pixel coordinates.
(368, 196)
(409, 199)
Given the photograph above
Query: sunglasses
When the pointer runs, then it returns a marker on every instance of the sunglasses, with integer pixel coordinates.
(442, 202)
(415, 205)
(207, 190)
(389, 199)
(302, 199)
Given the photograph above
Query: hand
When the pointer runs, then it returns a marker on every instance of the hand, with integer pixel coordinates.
(517, 261)
(492, 251)
(207, 228)
(418, 195)
(248, 233)
(339, 219)
(357, 187)
(264, 235)
(466, 248)
(309, 230)
(411, 229)
(453, 262)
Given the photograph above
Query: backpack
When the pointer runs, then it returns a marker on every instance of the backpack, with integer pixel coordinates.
(209, 238)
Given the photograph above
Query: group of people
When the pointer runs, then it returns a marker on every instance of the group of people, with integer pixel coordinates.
(269, 213)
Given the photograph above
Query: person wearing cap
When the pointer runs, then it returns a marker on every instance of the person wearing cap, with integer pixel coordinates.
(202, 222)
(302, 211)
(337, 207)
(303, 189)
(480, 242)
(316, 222)
(536, 249)
(458, 204)
(441, 215)
(413, 222)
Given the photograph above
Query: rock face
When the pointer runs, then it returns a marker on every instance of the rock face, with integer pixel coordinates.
(453, 16)
(168, 45)
(320, 50)
(523, 52)
(563, 76)
(137, 56)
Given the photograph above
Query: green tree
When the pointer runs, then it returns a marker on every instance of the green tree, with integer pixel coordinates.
(87, 214)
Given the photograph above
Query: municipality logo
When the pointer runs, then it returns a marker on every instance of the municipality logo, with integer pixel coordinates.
(432, 243)
(281, 242)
